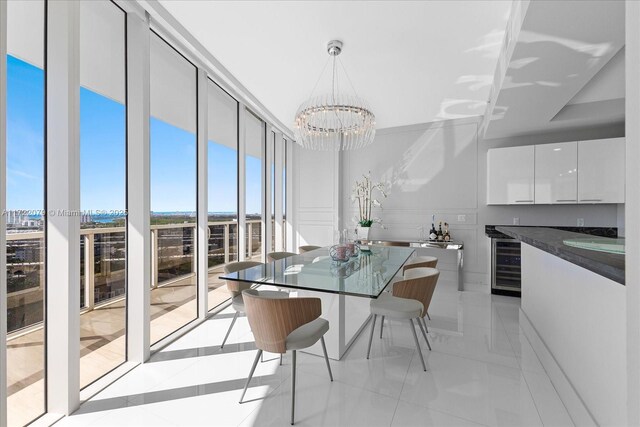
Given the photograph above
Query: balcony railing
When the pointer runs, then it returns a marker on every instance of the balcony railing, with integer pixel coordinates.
(102, 263)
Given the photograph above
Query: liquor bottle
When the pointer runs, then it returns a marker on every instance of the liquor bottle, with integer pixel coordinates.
(447, 236)
(440, 235)
(433, 235)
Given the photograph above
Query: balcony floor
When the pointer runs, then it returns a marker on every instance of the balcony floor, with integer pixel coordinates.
(102, 342)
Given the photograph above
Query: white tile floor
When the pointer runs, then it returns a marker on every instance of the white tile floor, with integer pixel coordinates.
(482, 371)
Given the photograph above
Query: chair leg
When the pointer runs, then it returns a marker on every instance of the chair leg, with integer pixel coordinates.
(373, 326)
(280, 359)
(424, 334)
(253, 368)
(293, 385)
(427, 316)
(415, 338)
(235, 316)
(424, 322)
(381, 326)
(326, 358)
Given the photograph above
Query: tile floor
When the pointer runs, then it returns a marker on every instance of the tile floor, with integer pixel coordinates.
(482, 371)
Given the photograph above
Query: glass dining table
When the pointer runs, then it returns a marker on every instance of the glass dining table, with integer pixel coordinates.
(345, 288)
(365, 275)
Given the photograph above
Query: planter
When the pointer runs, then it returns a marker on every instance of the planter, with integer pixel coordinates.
(363, 232)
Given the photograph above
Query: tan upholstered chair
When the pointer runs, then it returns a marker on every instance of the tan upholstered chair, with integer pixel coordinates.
(280, 325)
(274, 256)
(421, 261)
(236, 288)
(308, 248)
(409, 300)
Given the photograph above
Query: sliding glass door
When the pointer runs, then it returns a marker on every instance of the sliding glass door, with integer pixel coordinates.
(254, 186)
(102, 189)
(222, 188)
(173, 190)
(25, 184)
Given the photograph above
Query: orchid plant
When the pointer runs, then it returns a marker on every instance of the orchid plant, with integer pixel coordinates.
(363, 192)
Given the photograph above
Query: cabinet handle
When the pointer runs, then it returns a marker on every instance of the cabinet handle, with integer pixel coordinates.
(565, 200)
(590, 200)
(524, 201)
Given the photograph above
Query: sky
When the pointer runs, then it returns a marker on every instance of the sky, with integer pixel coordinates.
(102, 155)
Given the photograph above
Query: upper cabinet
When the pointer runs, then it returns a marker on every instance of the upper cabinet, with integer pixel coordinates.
(562, 173)
(601, 171)
(510, 176)
(556, 177)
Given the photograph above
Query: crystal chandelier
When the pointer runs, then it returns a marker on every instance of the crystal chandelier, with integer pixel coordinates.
(335, 121)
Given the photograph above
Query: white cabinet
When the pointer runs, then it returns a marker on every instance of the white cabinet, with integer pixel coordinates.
(510, 176)
(556, 173)
(601, 171)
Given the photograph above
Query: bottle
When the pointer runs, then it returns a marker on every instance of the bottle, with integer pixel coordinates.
(432, 233)
(440, 235)
(447, 236)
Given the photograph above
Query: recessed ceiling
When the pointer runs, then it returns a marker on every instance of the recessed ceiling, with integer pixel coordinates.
(413, 61)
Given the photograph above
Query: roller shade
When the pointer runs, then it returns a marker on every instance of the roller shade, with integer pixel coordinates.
(254, 135)
(223, 117)
(26, 42)
(102, 43)
(173, 86)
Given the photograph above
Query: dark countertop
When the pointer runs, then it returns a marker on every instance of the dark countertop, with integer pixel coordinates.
(550, 240)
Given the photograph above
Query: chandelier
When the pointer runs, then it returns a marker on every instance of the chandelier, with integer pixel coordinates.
(334, 121)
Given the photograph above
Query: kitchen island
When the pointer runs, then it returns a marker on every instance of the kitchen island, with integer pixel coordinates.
(573, 312)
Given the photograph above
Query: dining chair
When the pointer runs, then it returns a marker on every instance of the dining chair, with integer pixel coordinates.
(274, 256)
(281, 325)
(409, 300)
(308, 248)
(236, 288)
(421, 261)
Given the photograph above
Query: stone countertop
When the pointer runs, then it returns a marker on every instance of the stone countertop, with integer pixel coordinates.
(551, 240)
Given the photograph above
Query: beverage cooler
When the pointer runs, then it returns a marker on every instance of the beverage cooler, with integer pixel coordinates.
(505, 267)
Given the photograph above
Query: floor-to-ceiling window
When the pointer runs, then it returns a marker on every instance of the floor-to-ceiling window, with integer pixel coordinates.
(173, 185)
(271, 147)
(25, 184)
(102, 189)
(222, 188)
(254, 185)
(283, 173)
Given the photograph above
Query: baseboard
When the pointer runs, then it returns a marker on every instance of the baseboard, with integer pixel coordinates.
(578, 411)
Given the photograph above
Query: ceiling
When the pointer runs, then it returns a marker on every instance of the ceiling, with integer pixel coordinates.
(414, 62)
(565, 70)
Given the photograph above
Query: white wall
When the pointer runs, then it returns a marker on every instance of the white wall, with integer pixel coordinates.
(440, 168)
(316, 175)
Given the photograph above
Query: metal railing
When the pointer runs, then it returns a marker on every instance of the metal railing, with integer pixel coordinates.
(103, 254)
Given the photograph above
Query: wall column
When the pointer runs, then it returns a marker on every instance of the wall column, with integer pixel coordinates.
(63, 207)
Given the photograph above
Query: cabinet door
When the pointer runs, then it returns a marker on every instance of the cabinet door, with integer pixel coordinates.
(510, 173)
(556, 173)
(601, 171)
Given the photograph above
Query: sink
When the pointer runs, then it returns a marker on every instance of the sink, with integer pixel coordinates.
(598, 244)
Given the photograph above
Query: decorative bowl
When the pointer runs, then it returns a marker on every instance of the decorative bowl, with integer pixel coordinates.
(339, 253)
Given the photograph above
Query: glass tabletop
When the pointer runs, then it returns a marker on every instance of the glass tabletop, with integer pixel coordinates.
(364, 276)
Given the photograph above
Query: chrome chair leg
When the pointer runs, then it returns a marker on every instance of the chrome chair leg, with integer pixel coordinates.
(326, 358)
(381, 326)
(424, 334)
(373, 325)
(427, 316)
(253, 369)
(293, 385)
(280, 359)
(415, 338)
(235, 316)
(424, 322)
